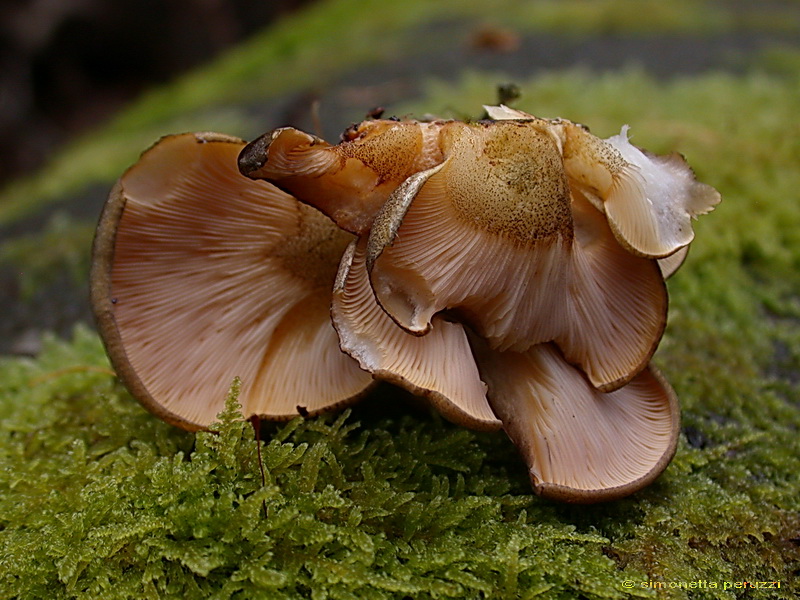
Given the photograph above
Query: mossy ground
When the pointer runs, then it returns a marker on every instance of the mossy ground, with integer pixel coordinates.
(98, 499)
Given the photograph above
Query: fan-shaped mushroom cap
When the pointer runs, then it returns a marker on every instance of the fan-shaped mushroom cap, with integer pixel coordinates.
(468, 235)
(494, 235)
(348, 182)
(649, 200)
(617, 304)
(201, 275)
(438, 366)
(580, 445)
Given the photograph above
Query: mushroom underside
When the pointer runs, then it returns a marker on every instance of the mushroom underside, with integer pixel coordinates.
(438, 366)
(581, 445)
(202, 275)
(604, 307)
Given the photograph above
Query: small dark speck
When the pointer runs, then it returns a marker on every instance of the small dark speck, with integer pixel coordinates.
(302, 410)
(113, 301)
(695, 437)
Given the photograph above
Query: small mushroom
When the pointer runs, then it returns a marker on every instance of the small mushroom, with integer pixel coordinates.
(438, 366)
(201, 275)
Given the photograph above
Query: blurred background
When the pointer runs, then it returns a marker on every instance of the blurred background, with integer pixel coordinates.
(86, 85)
(66, 65)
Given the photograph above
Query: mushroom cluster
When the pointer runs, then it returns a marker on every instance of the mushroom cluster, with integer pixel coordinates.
(509, 270)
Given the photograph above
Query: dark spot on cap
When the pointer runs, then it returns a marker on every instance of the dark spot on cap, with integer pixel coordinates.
(351, 133)
(254, 155)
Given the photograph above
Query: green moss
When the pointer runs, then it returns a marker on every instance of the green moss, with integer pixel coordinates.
(581, 17)
(101, 500)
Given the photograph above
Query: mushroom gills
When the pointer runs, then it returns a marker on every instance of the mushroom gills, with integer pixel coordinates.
(201, 275)
(438, 366)
(580, 445)
(522, 262)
